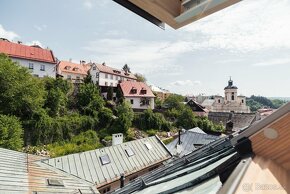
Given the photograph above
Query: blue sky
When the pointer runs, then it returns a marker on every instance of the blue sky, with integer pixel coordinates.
(249, 41)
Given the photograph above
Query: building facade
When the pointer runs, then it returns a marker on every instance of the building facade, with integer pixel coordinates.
(138, 94)
(72, 71)
(160, 93)
(40, 62)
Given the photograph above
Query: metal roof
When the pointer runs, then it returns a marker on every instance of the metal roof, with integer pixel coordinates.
(190, 141)
(197, 130)
(88, 165)
(22, 173)
(197, 172)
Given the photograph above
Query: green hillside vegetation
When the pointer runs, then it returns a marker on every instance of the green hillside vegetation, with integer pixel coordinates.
(258, 102)
(66, 118)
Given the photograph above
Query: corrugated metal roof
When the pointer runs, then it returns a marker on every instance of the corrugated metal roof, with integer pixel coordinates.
(190, 141)
(23, 173)
(197, 172)
(197, 130)
(88, 165)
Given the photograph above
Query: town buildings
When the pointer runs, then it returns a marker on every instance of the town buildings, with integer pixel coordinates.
(40, 62)
(72, 71)
(160, 93)
(138, 94)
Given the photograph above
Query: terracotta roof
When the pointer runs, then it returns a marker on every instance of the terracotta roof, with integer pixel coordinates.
(126, 87)
(26, 52)
(110, 70)
(69, 67)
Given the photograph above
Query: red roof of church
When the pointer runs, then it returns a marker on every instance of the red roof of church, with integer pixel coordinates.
(21, 51)
(127, 86)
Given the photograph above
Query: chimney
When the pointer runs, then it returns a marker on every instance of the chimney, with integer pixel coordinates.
(122, 180)
(70, 59)
(104, 64)
(19, 42)
(117, 139)
(179, 138)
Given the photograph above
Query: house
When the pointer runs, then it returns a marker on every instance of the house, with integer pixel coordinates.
(106, 167)
(188, 141)
(198, 109)
(105, 77)
(254, 160)
(40, 62)
(160, 93)
(22, 173)
(72, 71)
(138, 94)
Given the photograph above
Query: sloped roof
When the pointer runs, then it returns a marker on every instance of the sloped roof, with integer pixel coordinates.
(197, 172)
(190, 141)
(88, 165)
(197, 130)
(106, 69)
(26, 52)
(207, 102)
(126, 87)
(21, 173)
(69, 67)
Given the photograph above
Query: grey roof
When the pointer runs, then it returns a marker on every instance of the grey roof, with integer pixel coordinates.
(207, 102)
(197, 172)
(190, 141)
(22, 173)
(88, 165)
(197, 130)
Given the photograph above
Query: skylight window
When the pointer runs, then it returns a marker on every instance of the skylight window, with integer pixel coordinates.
(55, 182)
(129, 152)
(105, 159)
(148, 145)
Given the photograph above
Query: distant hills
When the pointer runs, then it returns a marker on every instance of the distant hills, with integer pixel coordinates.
(258, 102)
(280, 98)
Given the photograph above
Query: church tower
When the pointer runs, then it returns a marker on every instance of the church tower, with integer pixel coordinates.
(231, 92)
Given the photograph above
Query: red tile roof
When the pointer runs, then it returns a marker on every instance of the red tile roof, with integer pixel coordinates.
(74, 68)
(26, 52)
(126, 87)
(110, 70)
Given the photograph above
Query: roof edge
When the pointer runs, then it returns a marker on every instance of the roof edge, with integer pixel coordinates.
(163, 145)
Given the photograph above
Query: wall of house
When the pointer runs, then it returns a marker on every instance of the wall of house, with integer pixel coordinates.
(73, 77)
(136, 103)
(49, 70)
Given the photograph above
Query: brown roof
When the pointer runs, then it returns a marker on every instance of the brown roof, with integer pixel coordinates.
(21, 51)
(69, 67)
(127, 86)
(110, 70)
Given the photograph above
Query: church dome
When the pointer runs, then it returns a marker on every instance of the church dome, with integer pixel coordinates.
(230, 85)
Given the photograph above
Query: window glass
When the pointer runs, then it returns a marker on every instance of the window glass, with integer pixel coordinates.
(105, 159)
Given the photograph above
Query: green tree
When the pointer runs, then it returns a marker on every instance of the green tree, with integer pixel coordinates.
(124, 119)
(88, 78)
(10, 132)
(174, 101)
(186, 119)
(20, 93)
(140, 77)
(110, 93)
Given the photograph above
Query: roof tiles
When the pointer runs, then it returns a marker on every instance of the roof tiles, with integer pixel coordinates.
(127, 86)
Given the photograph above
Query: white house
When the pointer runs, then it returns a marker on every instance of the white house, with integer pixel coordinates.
(138, 94)
(40, 62)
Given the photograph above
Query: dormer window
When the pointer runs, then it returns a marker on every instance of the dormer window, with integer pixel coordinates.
(94, 68)
(134, 90)
(67, 67)
(143, 91)
(75, 69)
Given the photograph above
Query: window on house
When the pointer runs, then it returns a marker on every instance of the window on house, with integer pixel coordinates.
(111, 84)
(106, 83)
(132, 101)
(105, 159)
(55, 182)
(242, 101)
(69, 77)
(31, 66)
(129, 152)
(143, 91)
(134, 90)
(106, 75)
(148, 145)
(116, 77)
(219, 101)
(94, 68)
(42, 67)
(97, 75)
(112, 76)
(197, 145)
(35, 75)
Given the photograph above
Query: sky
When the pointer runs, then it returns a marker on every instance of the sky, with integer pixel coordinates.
(249, 41)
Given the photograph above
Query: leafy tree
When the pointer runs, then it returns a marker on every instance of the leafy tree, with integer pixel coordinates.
(10, 132)
(20, 93)
(88, 78)
(278, 103)
(174, 101)
(106, 117)
(186, 119)
(89, 100)
(140, 77)
(126, 68)
(125, 117)
(110, 93)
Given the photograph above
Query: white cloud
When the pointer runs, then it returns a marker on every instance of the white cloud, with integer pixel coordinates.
(10, 35)
(34, 42)
(185, 83)
(247, 26)
(272, 62)
(40, 27)
(88, 4)
(143, 56)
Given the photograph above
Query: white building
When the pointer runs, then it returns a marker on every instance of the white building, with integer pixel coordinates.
(72, 71)
(40, 62)
(230, 103)
(138, 94)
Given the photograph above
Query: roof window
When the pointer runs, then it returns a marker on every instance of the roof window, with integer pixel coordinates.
(134, 90)
(129, 152)
(55, 182)
(143, 91)
(105, 159)
(148, 145)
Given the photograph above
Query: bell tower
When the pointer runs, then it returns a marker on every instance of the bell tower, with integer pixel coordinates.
(231, 92)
